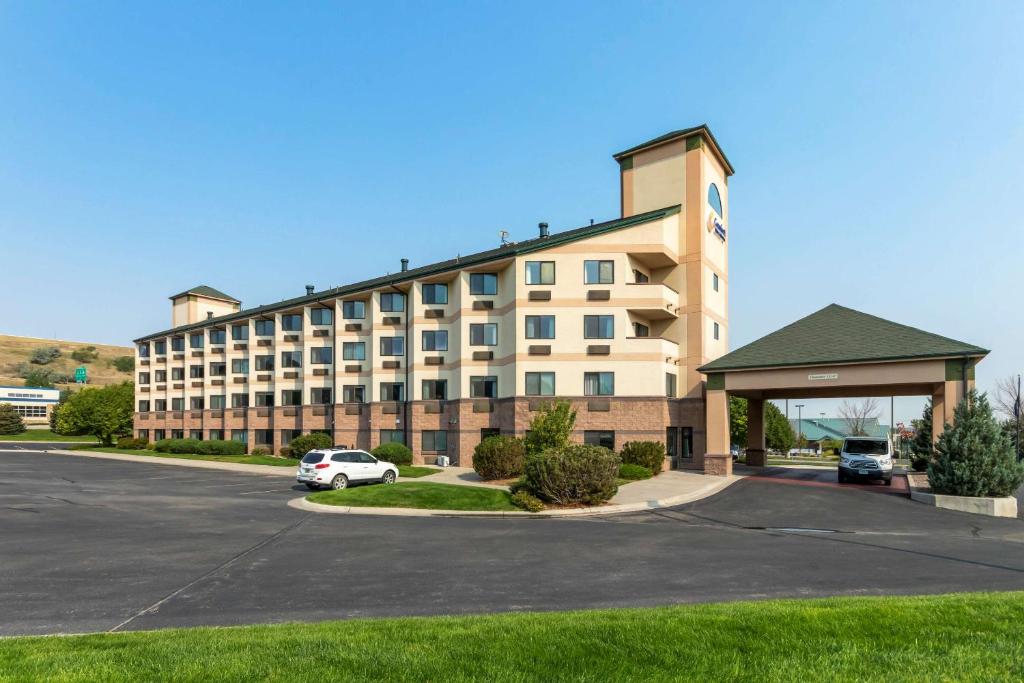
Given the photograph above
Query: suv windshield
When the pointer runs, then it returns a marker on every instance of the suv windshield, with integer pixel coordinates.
(866, 447)
(312, 457)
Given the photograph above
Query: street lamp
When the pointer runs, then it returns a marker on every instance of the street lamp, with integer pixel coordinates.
(799, 425)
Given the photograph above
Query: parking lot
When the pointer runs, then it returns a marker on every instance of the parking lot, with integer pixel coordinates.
(98, 545)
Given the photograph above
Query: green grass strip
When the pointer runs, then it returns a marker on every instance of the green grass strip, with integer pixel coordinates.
(46, 435)
(421, 494)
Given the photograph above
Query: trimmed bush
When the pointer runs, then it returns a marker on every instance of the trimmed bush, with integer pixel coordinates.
(649, 454)
(499, 457)
(301, 445)
(260, 451)
(179, 446)
(527, 501)
(575, 474)
(220, 447)
(10, 420)
(393, 452)
(634, 472)
(129, 442)
(285, 452)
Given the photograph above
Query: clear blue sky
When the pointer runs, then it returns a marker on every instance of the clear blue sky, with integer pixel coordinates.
(257, 148)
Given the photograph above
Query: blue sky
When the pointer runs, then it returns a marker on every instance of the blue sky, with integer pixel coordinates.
(877, 146)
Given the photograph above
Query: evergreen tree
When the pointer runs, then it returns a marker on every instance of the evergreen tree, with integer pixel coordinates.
(921, 446)
(973, 456)
(10, 421)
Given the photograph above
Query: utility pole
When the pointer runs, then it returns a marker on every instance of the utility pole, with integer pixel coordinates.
(1016, 413)
(799, 425)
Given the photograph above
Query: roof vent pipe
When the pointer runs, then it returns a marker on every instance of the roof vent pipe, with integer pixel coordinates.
(209, 314)
(543, 228)
(405, 264)
(309, 290)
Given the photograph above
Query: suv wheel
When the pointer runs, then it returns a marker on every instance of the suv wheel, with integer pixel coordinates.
(388, 478)
(311, 487)
(842, 477)
(339, 482)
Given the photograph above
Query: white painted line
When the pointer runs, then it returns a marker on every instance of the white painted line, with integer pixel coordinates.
(249, 493)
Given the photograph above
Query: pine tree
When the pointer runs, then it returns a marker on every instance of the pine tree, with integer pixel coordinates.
(921, 446)
(973, 456)
(10, 421)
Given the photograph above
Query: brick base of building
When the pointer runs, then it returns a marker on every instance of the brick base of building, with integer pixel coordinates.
(465, 422)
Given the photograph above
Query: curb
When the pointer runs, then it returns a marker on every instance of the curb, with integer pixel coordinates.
(705, 491)
(991, 507)
(181, 462)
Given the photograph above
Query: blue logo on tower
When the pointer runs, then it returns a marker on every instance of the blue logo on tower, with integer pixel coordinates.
(715, 225)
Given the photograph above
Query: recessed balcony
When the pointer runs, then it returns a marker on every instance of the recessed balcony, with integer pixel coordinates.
(651, 300)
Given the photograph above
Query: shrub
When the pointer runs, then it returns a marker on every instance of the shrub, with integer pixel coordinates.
(499, 457)
(301, 445)
(123, 363)
(974, 456)
(634, 472)
(260, 451)
(219, 447)
(550, 428)
(44, 355)
(104, 412)
(285, 452)
(574, 474)
(35, 376)
(85, 355)
(10, 420)
(178, 446)
(527, 501)
(393, 452)
(919, 463)
(649, 454)
(132, 443)
(519, 485)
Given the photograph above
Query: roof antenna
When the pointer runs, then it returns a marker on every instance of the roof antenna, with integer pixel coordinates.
(591, 221)
(503, 234)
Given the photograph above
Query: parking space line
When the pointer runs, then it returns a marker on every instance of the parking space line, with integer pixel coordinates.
(249, 493)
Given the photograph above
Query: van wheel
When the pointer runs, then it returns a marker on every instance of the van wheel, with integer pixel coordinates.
(842, 478)
(339, 482)
(888, 482)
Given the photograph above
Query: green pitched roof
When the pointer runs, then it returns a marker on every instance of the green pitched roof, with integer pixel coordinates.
(836, 334)
(701, 130)
(205, 290)
(818, 428)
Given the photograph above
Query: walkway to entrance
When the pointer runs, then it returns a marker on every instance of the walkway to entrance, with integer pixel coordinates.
(836, 352)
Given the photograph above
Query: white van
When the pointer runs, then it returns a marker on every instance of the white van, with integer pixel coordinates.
(866, 457)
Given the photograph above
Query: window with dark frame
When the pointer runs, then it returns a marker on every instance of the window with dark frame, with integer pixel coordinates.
(264, 328)
(434, 293)
(600, 437)
(321, 316)
(540, 384)
(598, 272)
(143, 378)
(716, 332)
(641, 330)
(177, 374)
(218, 337)
(640, 277)
(392, 391)
(392, 302)
(291, 322)
(392, 346)
(540, 272)
(670, 384)
(143, 406)
(240, 332)
(218, 401)
(196, 340)
(196, 371)
(353, 393)
(598, 326)
(218, 369)
(177, 404)
(392, 436)
(264, 399)
(483, 386)
(240, 366)
(540, 327)
(321, 355)
(483, 284)
(320, 395)
(353, 310)
(483, 334)
(714, 281)
(434, 440)
(434, 390)
(291, 397)
(353, 350)
(599, 384)
(160, 376)
(291, 359)
(177, 344)
(195, 403)
(239, 400)
(265, 363)
(160, 347)
(435, 340)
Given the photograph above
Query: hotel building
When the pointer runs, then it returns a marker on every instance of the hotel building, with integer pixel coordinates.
(615, 317)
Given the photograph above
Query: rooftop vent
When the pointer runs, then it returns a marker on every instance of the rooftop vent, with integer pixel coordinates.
(309, 290)
(209, 314)
(405, 264)
(543, 228)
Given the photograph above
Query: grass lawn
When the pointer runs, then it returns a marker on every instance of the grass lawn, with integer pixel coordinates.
(419, 494)
(965, 637)
(45, 435)
(414, 471)
(242, 459)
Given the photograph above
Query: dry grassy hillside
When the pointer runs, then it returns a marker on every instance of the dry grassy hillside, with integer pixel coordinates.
(17, 350)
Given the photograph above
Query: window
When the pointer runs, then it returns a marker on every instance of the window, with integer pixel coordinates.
(435, 340)
(240, 332)
(435, 294)
(598, 272)
(143, 406)
(320, 396)
(392, 391)
(640, 277)
(321, 355)
(31, 411)
(160, 348)
(264, 399)
(218, 369)
(240, 435)
(264, 328)
(195, 403)
(177, 404)
(715, 330)
(392, 436)
(714, 281)
(641, 330)
(288, 434)
(291, 359)
(353, 350)
(483, 334)
(392, 346)
(353, 393)
(321, 316)
(216, 435)
(670, 385)
(392, 302)
(239, 400)
(485, 284)
(177, 433)
(353, 310)
(195, 371)
(715, 200)
(291, 397)
(488, 432)
(196, 434)
(435, 389)
(144, 434)
(218, 336)
(540, 272)
(264, 437)
(598, 383)
(291, 322)
(158, 434)
(483, 386)
(143, 350)
(178, 344)
(264, 363)
(540, 327)
(160, 376)
(143, 378)
(196, 340)
(598, 326)
(540, 384)
(217, 402)
(177, 374)
(434, 441)
(240, 366)
(160, 404)
(600, 437)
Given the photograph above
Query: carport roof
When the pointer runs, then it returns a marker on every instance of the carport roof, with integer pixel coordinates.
(837, 334)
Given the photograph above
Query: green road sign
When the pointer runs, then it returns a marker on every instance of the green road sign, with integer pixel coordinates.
(80, 375)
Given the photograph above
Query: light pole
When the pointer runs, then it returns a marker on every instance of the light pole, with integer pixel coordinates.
(1016, 413)
(799, 425)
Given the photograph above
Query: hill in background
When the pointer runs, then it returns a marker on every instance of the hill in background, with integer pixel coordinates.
(17, 352)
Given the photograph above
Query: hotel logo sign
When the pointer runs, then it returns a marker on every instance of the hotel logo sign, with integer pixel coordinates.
(715, 225)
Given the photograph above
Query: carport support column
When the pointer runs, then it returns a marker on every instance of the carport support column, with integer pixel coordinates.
(755, 432)
(944, 401)
(717, 459)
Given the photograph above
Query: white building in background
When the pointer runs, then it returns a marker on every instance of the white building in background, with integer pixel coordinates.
(34, 404)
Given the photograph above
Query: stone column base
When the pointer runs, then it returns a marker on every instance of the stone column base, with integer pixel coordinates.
(718, 464)
(757, 457)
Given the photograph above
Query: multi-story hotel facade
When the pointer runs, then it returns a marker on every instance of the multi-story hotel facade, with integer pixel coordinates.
(614, 317)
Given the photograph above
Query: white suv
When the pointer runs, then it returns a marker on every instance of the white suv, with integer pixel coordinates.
(866, 457)
(337, 467)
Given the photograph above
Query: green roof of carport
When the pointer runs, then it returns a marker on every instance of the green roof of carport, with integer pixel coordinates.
(835, 335)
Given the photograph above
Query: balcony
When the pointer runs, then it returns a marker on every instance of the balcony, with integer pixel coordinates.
(667, 349)
(652, 300)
